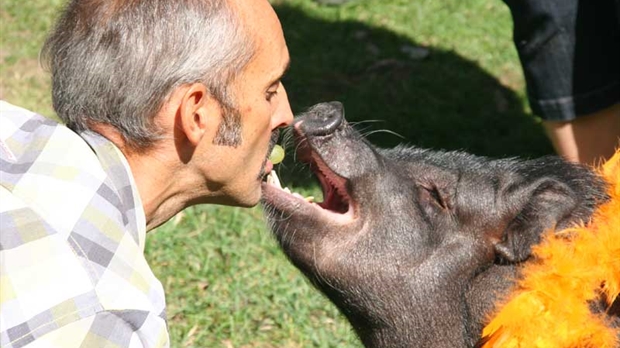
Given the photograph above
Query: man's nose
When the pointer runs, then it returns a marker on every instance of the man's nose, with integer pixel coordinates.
(284, 114)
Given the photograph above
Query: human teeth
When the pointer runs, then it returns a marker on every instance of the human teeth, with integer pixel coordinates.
(287, 190)
(310, 199)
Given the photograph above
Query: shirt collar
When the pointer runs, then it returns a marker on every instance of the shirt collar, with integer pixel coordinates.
(120, 178)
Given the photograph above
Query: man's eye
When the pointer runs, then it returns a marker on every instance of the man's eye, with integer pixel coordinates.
(271, 94)
(272, 90)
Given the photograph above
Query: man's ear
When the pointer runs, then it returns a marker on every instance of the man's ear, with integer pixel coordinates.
(197, 113)
(540, 205)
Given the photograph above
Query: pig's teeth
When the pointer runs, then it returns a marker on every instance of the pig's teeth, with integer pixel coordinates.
(272, 179)
(275, 180)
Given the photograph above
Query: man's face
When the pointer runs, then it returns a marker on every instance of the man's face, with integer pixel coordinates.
(262, 105)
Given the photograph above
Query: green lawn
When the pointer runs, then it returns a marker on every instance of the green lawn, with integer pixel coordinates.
(227, 283)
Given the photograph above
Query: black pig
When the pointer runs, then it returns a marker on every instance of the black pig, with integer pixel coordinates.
(414, 246)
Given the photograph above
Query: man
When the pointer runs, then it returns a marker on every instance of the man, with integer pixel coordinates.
(168, 104)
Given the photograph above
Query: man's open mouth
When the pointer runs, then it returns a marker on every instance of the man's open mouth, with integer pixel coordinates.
(336, 196)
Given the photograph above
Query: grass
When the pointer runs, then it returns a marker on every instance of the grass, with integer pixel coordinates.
(227, 284)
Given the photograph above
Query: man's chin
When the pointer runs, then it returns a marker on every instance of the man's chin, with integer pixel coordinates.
(250, 198)
(248, 203)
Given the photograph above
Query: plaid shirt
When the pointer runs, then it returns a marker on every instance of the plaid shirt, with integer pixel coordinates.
(72, 266)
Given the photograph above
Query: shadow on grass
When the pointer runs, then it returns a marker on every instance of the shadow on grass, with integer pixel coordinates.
(443, 101)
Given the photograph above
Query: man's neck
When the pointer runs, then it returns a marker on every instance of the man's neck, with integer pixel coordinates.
(158, 188)
(162, 181)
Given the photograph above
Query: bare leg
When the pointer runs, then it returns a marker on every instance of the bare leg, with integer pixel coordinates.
(589, 139)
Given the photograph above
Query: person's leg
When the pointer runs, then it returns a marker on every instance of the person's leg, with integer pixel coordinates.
(570, 54)
(589, 139)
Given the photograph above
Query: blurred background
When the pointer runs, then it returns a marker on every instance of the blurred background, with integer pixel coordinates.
(437, 74)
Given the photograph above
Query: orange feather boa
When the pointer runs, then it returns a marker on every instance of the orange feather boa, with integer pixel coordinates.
(549, 306)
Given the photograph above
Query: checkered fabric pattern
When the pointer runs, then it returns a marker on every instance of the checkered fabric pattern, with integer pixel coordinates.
(72, 266)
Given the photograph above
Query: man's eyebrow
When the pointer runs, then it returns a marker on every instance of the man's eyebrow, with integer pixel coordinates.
(284, 71)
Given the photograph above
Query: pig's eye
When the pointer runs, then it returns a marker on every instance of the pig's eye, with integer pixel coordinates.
(431, 194)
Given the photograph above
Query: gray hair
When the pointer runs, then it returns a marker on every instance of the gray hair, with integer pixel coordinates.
(116, 62)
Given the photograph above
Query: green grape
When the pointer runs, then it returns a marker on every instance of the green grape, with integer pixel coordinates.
(277, 154)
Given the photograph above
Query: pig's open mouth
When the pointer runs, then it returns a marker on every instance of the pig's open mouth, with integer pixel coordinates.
(337, 203)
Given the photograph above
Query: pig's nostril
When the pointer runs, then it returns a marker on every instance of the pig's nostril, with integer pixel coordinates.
(323, 119)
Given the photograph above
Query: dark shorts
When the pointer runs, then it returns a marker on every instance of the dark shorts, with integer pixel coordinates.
(570, 53)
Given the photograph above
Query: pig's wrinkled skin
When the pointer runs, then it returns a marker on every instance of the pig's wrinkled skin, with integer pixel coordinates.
(421, 243)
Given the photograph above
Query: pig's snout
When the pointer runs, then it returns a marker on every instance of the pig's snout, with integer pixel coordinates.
(321, 119)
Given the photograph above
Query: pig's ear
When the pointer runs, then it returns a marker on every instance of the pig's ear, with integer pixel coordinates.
(532, 208)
